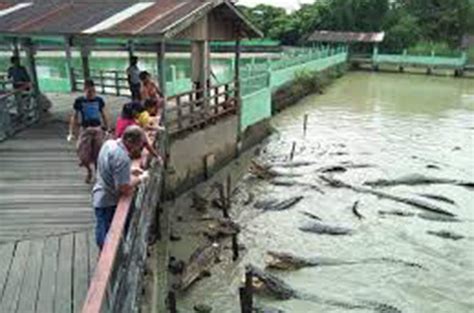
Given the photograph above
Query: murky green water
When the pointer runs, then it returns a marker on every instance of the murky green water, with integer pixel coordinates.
(400, 124)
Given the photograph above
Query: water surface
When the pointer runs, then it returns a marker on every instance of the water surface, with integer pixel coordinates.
(399, 125)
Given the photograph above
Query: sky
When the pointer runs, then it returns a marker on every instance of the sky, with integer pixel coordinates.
(287, 4)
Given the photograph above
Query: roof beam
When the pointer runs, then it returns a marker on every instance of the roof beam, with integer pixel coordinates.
(15, 8)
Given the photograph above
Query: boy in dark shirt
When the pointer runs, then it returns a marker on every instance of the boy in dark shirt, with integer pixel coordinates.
(89, 114)
(18, 74)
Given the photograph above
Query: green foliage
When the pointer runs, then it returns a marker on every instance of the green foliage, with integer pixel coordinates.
(406, 22)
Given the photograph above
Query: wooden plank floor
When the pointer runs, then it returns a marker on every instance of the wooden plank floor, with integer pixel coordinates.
(47, 246)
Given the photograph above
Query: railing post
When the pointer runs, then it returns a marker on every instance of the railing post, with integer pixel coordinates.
(117, 83)
(180, 113)
(102, 82)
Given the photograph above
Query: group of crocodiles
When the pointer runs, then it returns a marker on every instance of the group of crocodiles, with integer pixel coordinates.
(207, 255)
(272, 285)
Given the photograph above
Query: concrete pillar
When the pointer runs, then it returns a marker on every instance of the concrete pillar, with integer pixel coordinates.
(69, 67)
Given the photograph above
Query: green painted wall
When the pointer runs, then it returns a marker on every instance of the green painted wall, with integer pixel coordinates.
(257, 84)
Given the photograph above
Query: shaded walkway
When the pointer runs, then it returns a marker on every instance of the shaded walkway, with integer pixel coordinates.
(47, 246)
(47, 252)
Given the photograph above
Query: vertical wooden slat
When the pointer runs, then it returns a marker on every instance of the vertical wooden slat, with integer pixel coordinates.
(47, 285)
(31, 282)
(180, 113)
(93, 254)
(102, 82)
(81, 270)
(6, 258)
(63, 300)
(117, 83)
(216, 100)
(12, 290)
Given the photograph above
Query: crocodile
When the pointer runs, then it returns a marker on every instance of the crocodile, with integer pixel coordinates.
(438, 217)
(275, 287)
(396, 213)
(445, 234)
(417, 179)
(322, 229)
(437, 198)
(275, 205)
(221, 227)
(417, 203)
(287, 261)
(200, 262)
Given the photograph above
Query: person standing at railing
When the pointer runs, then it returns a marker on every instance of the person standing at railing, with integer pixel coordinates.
(19, 75)
(21, 80)
(115, 177)
(133, 77)
(151, 90)
(129, 116)
(89, 114)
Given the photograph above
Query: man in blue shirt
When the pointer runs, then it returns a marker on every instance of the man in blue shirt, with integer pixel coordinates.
(115, 177)
(90, 115)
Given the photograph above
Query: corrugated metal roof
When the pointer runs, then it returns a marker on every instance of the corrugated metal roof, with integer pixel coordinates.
(332, 36)
(109, 19)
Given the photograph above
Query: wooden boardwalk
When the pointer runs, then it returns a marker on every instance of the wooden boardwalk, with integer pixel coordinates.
(47, 246)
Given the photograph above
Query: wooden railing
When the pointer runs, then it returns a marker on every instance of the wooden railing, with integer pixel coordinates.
(195, 109)
(18, 109)
(116, 286)
(107, 81)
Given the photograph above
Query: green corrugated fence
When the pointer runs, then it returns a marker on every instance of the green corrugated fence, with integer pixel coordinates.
(421, 60)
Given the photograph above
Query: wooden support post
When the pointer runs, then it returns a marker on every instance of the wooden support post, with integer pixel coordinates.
(237, 99)
(30, 55)
(293, 148)
(235, 248)
(228, 192)
(69, 68)
(131, 50)
(305, 124)
(172, 302)
(85, 62)
(248, 291)
(201, 71)
(16, 49)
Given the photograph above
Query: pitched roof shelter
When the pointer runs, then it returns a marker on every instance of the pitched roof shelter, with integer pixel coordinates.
(158, 19)
(346, 37)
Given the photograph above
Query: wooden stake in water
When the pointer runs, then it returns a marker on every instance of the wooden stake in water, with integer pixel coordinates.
(172, 302)
(229, 191)
(305, 124)
(246, 301)
(292, 153)
(235, 248)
